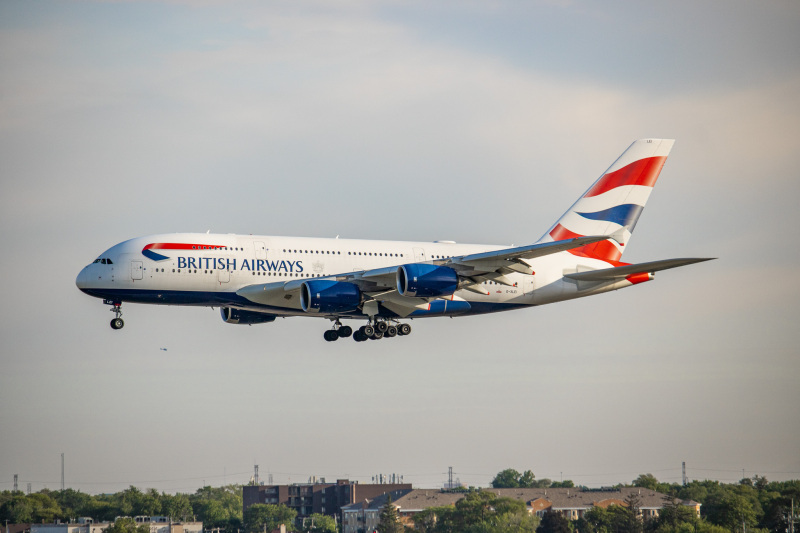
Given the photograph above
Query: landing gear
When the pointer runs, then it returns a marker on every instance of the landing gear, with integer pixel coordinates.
(380, 330)
(116, 308)
(338, 332)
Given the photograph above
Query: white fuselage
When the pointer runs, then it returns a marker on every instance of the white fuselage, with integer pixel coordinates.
(208, 270)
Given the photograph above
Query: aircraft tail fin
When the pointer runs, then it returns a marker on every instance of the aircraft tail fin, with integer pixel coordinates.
(613, 204)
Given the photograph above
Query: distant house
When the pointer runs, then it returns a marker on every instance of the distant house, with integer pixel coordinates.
(572, 503)
(157, 524)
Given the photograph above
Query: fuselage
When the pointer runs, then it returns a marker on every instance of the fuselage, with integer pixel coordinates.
(208, 269)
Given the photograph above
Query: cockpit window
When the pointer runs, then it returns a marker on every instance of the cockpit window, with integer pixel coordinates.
(103, 261)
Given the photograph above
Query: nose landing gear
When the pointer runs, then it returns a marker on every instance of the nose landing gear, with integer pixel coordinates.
(116, 308)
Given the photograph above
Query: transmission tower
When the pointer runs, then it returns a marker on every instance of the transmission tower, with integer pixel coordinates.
(685, 481)
(16, 485)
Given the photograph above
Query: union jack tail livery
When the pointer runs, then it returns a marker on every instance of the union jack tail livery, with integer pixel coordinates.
(255, 279)
(612, 205)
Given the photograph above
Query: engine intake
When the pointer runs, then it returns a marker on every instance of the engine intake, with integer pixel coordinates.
(237, 316)
(426, 281)
(328, 296)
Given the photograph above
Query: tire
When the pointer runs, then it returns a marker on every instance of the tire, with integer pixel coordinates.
(382, 327)
(391, 331)
(345, 331)
(404, 329)
(331, 335)
(369, 331)
(117, 323)
(359, 336)
(378, 335)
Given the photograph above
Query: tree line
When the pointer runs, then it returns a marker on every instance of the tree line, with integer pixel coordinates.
(216, 507)
(753, 505)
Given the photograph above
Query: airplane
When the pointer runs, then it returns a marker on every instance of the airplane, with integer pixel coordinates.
(256, 279)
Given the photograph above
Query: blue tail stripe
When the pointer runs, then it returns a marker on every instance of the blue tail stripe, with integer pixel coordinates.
(625, 215)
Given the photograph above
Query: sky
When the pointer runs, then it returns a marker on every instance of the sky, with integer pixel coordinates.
(469, 121)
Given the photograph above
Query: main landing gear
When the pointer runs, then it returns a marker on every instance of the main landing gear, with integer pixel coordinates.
(338, 331)
(376, 330)
(381, 329)
(116, 308)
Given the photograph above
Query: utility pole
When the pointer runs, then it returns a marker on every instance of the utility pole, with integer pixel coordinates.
(62, 472)
(684, 473)
(256, 479)
(16, 484)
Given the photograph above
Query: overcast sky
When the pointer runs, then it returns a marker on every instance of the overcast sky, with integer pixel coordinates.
(468, 121)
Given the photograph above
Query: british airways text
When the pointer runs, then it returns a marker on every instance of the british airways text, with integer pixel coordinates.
(224, 263)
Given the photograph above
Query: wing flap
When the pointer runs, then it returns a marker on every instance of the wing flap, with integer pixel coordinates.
(607, 274)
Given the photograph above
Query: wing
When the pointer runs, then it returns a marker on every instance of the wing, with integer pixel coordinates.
(380, 285)
(606, 274)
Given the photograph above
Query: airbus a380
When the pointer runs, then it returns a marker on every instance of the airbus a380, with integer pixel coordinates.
(255, 279)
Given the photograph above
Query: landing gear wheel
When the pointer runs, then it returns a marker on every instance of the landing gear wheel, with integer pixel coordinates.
(369, 331)
(345, 331)
(359, 336)
(382, 327)
(116, 308)
(331, 335)
(378, 335)
(391, 331)
(403, 329)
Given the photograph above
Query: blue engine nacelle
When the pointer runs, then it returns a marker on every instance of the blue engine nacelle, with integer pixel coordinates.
(237, 316)
(328, 296)
(426, 281)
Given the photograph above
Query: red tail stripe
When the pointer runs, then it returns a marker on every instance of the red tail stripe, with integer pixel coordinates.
(604, 250)
(642, 172)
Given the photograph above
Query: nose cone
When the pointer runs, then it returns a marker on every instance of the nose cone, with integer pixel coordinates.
(82, 281)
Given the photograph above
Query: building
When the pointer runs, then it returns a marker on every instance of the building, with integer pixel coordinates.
(317, 497)
(572, 503)
(158, 524)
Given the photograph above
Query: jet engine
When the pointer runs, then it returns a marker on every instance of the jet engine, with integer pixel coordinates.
(426, 281)
(237, 316)
(328, 296)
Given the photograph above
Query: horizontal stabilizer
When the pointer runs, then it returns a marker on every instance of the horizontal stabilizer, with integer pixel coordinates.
(641, 268)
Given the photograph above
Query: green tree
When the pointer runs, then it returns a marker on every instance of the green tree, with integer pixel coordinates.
(218, 507)
(646, 481)
(73, 503)
(262, 516)
(553, 522)
(511, 479)
(177, 507)
(127, 525)
(319, 523)
(389, 521)
(730, 510)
